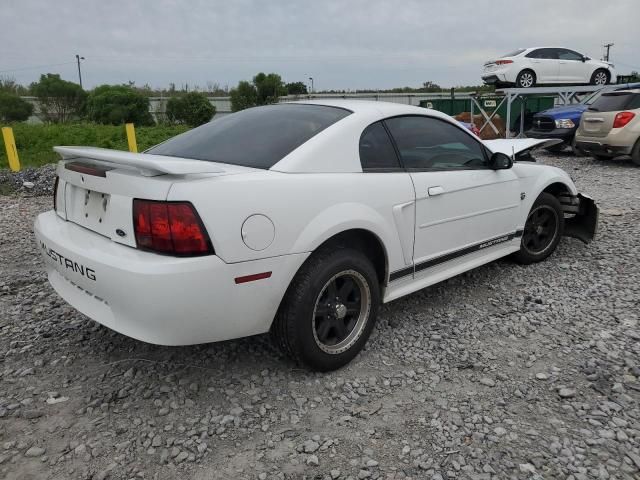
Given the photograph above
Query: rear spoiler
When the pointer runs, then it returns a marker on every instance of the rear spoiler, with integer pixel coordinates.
(146, 163)
(519, 146)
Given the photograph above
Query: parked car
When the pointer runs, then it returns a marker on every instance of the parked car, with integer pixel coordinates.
(529, 67)
(611, 126)
(562, 122)
(302, 227)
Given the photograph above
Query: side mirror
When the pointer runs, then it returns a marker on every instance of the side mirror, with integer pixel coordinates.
(584, 59)
(500, 161)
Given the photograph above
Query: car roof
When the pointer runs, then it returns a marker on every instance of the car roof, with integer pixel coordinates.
(372, 108)
(338, 144)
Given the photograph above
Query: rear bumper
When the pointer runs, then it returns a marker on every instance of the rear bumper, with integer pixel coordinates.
(600, 147)
(160, 299)
(493, 78)
(564, 134)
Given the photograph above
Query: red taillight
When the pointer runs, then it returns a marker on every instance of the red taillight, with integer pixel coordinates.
(622, 119)
(55, 194)
(503, 62)
(173, 228)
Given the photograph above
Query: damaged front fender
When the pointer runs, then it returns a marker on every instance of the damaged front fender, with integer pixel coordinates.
(584, 224)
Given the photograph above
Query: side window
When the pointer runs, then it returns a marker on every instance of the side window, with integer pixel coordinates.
(431, 143)
(564, 54)
(376, 149)
(549, 53)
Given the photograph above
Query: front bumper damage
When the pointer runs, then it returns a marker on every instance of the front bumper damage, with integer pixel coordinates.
(581, 217)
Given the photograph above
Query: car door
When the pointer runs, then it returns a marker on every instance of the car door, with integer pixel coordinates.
(544, 62)
(571, 68)
(461, 203)
(384, 174)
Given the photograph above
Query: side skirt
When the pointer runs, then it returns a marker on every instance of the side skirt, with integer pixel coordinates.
(405, 281)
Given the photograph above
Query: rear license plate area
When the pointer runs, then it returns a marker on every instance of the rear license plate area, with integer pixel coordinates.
(87, 207)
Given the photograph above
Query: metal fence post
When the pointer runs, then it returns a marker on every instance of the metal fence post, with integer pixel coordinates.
(12, 150)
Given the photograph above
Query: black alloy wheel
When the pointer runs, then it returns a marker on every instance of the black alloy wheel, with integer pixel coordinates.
(341, 311)
(329, 309)
(542, 230)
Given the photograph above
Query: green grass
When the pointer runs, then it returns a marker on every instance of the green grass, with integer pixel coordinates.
(35, 142)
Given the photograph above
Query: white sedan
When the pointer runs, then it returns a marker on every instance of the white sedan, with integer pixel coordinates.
(528, 67)
(299, 219)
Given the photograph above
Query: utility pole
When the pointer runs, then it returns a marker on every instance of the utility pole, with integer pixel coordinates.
(608, 47)
(311, 79)
(78, 58)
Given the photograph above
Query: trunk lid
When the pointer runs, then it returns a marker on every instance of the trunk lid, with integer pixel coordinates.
(97, 186)
(597, 124)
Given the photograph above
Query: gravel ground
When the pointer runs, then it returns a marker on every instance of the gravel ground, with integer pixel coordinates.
(504, 372)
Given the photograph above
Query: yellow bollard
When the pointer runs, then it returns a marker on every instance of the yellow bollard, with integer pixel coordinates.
(131, 137)
(12, 151)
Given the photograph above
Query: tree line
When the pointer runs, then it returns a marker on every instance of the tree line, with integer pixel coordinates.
(62, 101)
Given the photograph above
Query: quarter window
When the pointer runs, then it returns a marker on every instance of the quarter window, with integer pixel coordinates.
(431, 143)
(376, 149)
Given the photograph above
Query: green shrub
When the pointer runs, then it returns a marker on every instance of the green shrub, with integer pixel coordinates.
(60, 101)
(35, 142)
(13, 108)
(118, 104)
(192, 109)
(243, 96)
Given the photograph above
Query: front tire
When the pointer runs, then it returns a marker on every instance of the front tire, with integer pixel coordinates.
(542, 231)
(600, 77)
(329, 310)
(526, 79)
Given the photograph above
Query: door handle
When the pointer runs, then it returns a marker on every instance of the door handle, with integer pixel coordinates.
(433, 191)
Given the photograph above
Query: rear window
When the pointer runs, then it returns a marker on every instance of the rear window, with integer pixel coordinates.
(514, 53)
(257, 137)
(614, 101)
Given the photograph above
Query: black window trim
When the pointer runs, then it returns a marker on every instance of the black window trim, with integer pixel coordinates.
(437, 169)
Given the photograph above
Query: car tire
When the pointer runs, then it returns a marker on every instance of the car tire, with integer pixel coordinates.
(542, 231)
(635, 153)
(326, 336)
(600, 77)
(526, 79)
(574, 148)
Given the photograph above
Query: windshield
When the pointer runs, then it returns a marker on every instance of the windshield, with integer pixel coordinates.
(514, 53)
(257, 137)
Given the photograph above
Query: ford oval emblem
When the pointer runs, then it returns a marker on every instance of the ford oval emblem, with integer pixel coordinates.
(121, 233)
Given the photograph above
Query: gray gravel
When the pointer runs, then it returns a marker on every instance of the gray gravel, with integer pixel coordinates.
(504, 372)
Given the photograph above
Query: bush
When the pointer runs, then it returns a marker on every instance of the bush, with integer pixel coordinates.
(59, 100)
(243, 96)
(118, 104)
(35, 142)
(13, 108)
(192, 109)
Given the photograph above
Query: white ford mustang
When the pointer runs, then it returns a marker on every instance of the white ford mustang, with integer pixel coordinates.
(297, 218)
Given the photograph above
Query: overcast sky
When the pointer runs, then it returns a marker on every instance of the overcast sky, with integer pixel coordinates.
(343, 44)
